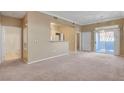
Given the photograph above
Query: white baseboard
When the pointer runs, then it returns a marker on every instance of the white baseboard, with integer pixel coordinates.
(47, 58)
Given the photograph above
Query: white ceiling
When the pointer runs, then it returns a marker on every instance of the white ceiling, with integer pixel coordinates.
(78, 17)
(87, 17)
(15, 14)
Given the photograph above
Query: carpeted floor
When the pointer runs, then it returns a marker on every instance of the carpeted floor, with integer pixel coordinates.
(81, 66)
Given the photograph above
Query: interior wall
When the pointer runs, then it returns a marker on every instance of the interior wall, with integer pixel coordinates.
(39, 44)
(0, 41)
(120, 22)
(54, 29)
(25, 39)
(10, 21)
(69, 36)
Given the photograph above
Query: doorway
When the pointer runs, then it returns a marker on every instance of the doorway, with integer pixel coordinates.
(78, 42)
(11, 43)
(107, 41)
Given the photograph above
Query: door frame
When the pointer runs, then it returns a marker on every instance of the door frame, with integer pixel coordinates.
(79, 41)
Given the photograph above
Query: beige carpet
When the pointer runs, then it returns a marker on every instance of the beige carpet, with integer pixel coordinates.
(81, 66)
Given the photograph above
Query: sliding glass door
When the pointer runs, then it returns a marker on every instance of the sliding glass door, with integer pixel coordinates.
(107, 41)
(100, 41)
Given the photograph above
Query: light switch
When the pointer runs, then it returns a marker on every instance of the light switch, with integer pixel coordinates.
(35, 41)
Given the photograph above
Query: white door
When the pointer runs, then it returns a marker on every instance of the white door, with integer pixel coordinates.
(86, 41)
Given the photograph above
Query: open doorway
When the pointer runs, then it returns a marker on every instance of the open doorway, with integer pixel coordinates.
(11, 43)
(78, 42)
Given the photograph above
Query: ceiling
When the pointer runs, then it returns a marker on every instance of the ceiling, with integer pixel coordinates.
(87, 17)
(15, 14)
(78, 17)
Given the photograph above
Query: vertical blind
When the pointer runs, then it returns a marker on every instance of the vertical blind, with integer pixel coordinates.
(86, 41)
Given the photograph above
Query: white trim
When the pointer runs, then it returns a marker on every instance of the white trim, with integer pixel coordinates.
(107, 27)
(46, 58)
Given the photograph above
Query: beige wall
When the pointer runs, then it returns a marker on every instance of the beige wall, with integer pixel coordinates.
(25, 39)
(120, 22)
(10, 21)
(69, 36)
(0, 19)
(54, 28)
(69, 33)
(39, 44)
(0, 41)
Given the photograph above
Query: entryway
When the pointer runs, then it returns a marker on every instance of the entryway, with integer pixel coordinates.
(11, 43)
(78, 41)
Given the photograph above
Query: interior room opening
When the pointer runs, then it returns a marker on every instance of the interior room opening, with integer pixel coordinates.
(11, 43)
